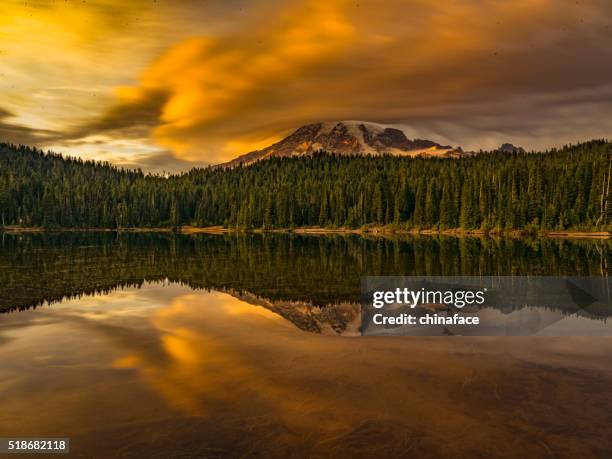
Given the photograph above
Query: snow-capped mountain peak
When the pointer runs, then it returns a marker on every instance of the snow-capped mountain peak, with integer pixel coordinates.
(347, 138)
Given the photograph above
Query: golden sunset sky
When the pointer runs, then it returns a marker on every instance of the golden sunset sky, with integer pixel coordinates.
(165, 85)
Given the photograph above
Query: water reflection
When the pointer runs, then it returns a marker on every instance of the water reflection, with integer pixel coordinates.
(162, 370)
(153, 345)
(311, 281)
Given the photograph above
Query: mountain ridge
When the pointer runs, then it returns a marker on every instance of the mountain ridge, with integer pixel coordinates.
(350, 138)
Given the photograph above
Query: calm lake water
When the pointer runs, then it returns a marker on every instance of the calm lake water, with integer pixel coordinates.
(157, 345)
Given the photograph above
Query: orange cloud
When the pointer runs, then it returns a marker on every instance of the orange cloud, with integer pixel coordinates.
(215, 80)
(210, 80)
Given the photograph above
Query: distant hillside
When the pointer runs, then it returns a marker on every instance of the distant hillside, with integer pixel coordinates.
(509, 148)
(556, 190)
(351, 138)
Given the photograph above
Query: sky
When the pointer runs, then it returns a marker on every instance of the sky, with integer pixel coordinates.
(166, 85)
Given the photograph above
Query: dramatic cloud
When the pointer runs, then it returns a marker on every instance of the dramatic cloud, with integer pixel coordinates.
(207, 81)
(134, 116)
(17, 134)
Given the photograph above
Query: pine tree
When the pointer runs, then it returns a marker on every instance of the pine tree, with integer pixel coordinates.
(565, 188)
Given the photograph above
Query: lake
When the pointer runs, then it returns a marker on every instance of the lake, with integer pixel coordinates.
(162, 345)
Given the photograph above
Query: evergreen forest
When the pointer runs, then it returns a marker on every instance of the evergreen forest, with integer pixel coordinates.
(560, 189)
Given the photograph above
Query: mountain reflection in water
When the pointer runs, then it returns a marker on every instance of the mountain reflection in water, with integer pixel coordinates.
(166, 369)
(299, 271)
(150, 367)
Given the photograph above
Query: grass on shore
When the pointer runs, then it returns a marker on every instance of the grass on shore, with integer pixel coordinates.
(368, 230)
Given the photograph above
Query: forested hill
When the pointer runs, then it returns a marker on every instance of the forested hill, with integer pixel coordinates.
(559, 189)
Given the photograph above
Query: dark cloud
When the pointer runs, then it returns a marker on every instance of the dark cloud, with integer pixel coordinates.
(11, 132)
(475, 72)
(130, 118)
(229, 77)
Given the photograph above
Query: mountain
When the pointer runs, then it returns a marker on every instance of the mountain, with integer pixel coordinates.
(347, 138)
(509, 148)
(340, 318)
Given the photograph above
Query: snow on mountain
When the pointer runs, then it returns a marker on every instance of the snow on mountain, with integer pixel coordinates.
(349, 138)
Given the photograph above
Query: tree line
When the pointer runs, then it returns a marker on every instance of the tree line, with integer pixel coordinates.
(559, 189)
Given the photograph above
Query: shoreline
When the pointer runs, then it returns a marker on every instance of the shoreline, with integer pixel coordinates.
(371, 231)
